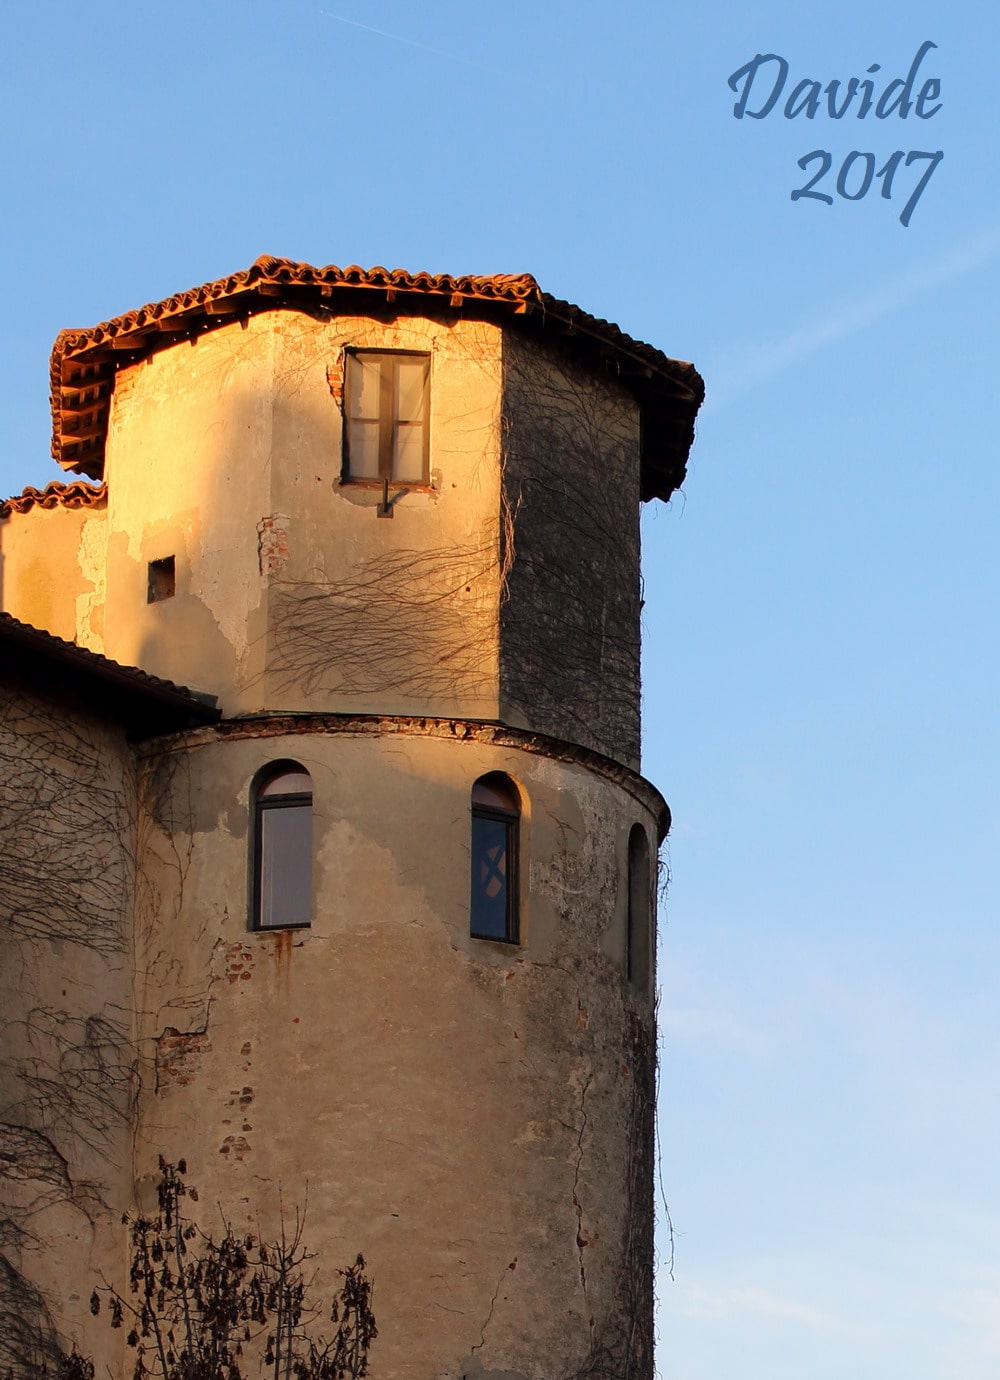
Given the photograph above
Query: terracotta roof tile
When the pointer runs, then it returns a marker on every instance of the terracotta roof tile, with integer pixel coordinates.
(56, 495)
(84, 362)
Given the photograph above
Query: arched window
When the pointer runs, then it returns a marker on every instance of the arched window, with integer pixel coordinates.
(639, 936)
(282, 847)
(496, 812)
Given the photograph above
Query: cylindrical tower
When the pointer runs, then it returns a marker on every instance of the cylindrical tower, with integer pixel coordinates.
(394, 914)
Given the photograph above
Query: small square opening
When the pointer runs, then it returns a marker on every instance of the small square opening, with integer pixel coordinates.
(160, 582)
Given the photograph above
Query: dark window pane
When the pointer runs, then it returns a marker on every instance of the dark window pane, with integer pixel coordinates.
(161, 580)
(286, 865)
(640, 899)
(490, 855)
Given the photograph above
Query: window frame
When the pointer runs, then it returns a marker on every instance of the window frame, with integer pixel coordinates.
(511, 820)
(640, 919)
(387, 420)
(260, 803)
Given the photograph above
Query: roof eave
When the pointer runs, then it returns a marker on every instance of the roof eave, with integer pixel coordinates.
(84, 363)
(144, 705)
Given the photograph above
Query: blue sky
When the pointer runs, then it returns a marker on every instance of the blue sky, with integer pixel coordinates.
(820, 635)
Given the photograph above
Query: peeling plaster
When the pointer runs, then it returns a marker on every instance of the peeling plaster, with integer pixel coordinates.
(92, 557)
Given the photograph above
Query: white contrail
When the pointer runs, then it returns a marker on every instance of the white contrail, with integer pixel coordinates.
(769, 360)
(412, 43)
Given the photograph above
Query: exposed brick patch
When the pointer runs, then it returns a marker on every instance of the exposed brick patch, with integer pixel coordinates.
(462, 730)
(272, 544)
(335, 378)
(239, 960)
(178, 1056)
(239, 1100)
(236, 1147)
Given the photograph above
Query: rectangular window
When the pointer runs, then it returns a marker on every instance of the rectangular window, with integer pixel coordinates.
(639, 932)
(161, 580)
(496, 812)
(491, 893)
(386, 416)
(281, 816)
(285, 864)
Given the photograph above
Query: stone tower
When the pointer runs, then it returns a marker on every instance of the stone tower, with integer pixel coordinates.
(385, 916)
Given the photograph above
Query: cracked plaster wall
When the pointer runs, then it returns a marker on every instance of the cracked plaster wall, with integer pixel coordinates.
(52, 571)
(67, 810)
(569, 661)
(289, 590)
(462, 1112)
(475, 1117)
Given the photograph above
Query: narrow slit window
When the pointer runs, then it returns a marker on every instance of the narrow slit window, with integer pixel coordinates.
(282, 848)
(639, 936)
(495, 828)
(160, 580)
(387, 415)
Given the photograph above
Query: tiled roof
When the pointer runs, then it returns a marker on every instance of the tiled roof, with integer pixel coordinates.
(56, 495)
(84, 362)
(144, 704)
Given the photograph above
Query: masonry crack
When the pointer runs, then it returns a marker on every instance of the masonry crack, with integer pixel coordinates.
(581, 1240)
(493, 1303)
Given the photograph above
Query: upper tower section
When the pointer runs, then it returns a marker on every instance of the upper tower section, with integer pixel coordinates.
(351, 491)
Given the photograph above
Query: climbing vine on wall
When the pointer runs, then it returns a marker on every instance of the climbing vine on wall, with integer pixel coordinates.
(201, 1309)
(66, 805)
(570, 623)
(64, 868)
(402, 620)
